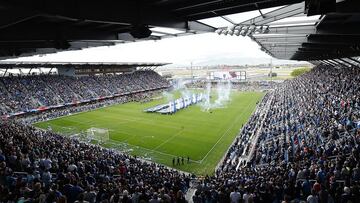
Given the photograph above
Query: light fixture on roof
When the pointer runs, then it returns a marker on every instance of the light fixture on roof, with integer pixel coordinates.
(237, 32)
(218, 31)
(243, 33)
(265, 29)
(258, 29)
(243, 30)
(238, 27)
(251, 29)
(231, 27)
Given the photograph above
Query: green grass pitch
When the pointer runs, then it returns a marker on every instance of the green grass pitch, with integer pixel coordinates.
(203, 136)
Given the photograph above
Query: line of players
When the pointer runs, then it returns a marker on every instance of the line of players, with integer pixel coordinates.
(178, 159)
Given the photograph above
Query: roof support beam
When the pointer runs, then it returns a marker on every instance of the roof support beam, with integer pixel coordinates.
(356, 61)
(336, 62)
(346, 62)
(230, 7)
(332, 63)
(6, 69)
(327, 63)
(341, 62)
(308, 29)
(262, 15)
(278, 14)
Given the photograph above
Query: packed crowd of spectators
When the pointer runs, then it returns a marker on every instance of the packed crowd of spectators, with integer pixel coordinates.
(82, 107)
(237, 85)
(23, 93)
(307, 145)
(40, 166)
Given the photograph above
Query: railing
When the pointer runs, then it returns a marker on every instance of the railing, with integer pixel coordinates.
(254, 138)
(238, 135)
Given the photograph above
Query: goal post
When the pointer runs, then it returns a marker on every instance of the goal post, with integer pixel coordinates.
(98, 134)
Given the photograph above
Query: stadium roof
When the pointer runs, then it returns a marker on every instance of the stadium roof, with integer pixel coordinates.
(76, 65)
(311, 30)
(41, 27)
(79, 68)
(328, 32)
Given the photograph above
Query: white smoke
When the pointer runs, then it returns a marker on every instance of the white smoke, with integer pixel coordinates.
(178, 85)
(168, 96)
(221, 94)
(223, 91)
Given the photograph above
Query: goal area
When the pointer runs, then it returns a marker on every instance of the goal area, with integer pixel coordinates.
(98, 134)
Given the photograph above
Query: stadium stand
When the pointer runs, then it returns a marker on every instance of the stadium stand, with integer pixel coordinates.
(307, 147)
(39, 166)
(306, 135)
(240, 86)
(30, 93)
(67, 110)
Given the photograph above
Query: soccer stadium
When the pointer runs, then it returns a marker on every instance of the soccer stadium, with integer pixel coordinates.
(159, 101)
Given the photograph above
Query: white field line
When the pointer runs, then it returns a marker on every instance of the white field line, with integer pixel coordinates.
(150, 150)
(131, 136)
(225, 133)
(144, 148)
(166, 141)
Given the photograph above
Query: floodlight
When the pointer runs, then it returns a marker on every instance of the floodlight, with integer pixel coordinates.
(238, 27)
(265, 29)
(218, 31)
(237, 32)
(231, 27)
(252, 28)
(243, 33)
(258, 28)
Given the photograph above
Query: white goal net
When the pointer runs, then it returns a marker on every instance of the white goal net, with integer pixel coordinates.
(98, 134)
